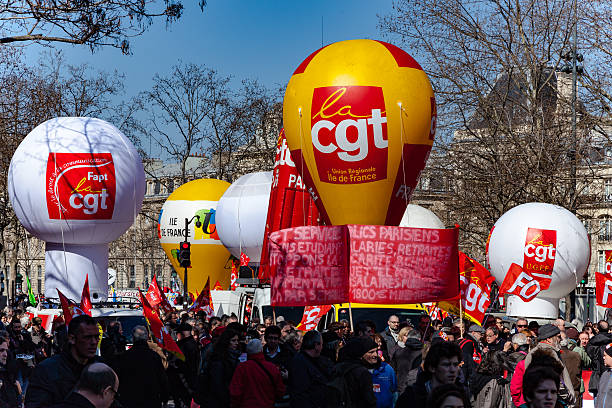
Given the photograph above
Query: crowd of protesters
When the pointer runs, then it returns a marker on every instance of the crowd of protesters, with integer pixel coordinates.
(449, 363)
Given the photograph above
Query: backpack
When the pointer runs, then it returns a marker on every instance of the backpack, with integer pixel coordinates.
(338, 392)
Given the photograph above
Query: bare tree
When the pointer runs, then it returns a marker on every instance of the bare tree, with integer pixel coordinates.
(95, 24)
(504, 106)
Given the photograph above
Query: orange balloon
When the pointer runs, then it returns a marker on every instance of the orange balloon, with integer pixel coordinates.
(360, 121)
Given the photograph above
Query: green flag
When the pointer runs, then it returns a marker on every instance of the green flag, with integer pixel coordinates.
(30, 294)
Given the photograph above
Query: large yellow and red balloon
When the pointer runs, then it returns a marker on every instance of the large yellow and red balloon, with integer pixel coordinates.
(360, 118)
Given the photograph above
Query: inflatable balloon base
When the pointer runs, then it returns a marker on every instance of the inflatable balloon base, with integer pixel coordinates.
(539, 307)
(67, 270)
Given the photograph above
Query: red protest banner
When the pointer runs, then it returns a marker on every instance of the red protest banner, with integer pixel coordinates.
(520, 283)
(309, 266)
(311, 317)
(290, 204)
(387, 265)
(603, 289)
(158, 330)
(402, 265)
(203, 299)
(539, 255)
(234, 277)
(69, 308)
(475, 287)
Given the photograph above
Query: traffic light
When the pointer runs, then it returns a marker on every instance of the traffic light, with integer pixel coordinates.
(184, 255)
(585, 279)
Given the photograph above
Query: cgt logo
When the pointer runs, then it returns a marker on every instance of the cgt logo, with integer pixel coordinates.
(80, 186)
(349, 134)
(539, 252)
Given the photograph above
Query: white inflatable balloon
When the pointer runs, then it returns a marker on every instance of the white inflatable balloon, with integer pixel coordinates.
(546, 239)
(416, 216)
(78, 184)
(241, 215)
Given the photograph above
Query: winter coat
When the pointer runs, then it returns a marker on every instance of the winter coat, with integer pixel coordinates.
(256, 383)
(9, 393)
(53, 379)
(282, 358)
(330, 343)
(516, 384)
(308, 379)
(359, 382)
(406, 359)
(389, 339)
(490, 391)
(415, 395)
(573, 363)
(594, 349)
(143, 382)
(472, 354)
(75, 400)
(214, 382)
(604, 393)
(384, 385)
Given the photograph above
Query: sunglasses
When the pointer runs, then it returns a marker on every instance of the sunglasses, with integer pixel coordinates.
(521, 325)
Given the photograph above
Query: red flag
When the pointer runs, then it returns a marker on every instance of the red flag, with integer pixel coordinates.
(158, 330)
(290, 204)
(234, 277)
(157, 298)
(520, 283)
(218, 286)
(603, 283)
(85, 298)
(475, 290)
(311, 317)
(244, 259)
(69, 308)
(203, 300)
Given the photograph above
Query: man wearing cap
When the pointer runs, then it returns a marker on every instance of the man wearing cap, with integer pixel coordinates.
(354, 360)
(549, 337)
(256, 382)
(470, 349)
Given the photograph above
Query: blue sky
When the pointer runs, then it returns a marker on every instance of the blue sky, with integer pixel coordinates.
(246, 39)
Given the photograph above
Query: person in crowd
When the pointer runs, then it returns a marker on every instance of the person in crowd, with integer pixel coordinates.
(384, 381)
(560, 323)
(407, 357)
(10, 390)
(520, 345)
(214, 382)
(488, 386)
(441, 366)
(391, 333)
(41, 339)
(493, 342)
(447, 396)
(182, 375)
(142, 376)
(365, 328)
(583, 340)
(24, 349)
(541, 388)
(293, 342)
(256, 382)
(113, 345)
(424, 328)
(549, 337)
(534, 327)
(332, 339)
(595, 350)
(521, 324)
(470, 349)
(383, 353)
(275, 352)
(285, 329)
(53, 379)
(97, 387)
(604, 387)
(309, 374)
(268, 321)
(572, 361)
(354, 360)
(261, 330)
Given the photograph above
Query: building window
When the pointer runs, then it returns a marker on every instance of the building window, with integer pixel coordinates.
(601, 260)
(152, 271)
(39, 284)
(605, 229)
(608, 190)
(157, 187)
(132, 284)
(146, 270)
(39, 270)
(170, 186)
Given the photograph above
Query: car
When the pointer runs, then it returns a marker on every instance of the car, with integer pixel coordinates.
(129, 318)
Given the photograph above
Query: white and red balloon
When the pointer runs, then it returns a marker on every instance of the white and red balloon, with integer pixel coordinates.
(241, 215)
(77, 184)
(548, 240)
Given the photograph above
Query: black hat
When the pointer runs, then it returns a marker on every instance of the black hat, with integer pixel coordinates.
(547, 331)
(356, 347)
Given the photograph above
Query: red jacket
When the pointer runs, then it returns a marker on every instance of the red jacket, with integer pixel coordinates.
(516, 384)
(251, 387)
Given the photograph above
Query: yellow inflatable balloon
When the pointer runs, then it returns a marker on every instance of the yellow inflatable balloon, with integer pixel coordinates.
(208, 255)
(360, 120)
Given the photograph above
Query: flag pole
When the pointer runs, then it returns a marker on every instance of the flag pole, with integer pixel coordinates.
(274, 315)
(461, 316)
(351, 316)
